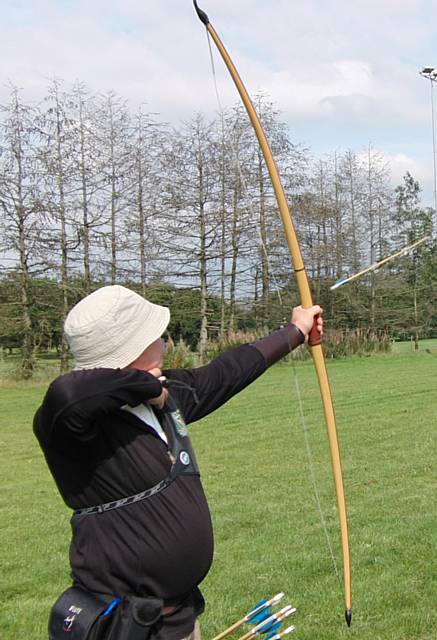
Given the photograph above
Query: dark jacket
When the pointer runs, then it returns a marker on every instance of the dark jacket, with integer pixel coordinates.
(98, 452)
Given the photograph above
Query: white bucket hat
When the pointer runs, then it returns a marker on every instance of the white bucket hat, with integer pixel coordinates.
(112, 326)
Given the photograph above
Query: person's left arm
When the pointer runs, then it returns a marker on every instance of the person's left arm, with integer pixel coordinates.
(229, 373)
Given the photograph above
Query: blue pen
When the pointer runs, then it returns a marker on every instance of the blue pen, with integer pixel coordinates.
(111, 606)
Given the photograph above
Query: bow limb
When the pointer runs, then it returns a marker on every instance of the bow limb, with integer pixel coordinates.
(306, 299)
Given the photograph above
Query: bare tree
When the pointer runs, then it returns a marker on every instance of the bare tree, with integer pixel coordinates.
(112, 133)
(20, 207)
(375, 216)
(143, 216)
(57, 152)
(88, 179)
(192, 225)
(353, 191)
(235, 153)
(272, 256)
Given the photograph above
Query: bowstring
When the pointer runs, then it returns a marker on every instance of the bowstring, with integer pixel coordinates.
(303, 421)
(313, 477)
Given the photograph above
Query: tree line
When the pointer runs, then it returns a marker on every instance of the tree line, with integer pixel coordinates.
(92, 193)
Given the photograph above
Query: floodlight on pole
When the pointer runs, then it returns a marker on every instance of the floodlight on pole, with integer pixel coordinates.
(430, 73)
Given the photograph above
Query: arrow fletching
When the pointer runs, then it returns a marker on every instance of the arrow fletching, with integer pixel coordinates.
(263, 609)
(262, 617)
(285, 632)
(339, 283)
(273, 622)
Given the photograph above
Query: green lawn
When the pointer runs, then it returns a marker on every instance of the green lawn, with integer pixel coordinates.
(267, 526)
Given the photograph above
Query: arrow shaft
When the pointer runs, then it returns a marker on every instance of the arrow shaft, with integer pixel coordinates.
(379, 264)
(231, 629)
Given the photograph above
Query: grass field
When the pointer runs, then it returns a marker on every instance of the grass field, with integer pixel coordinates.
(267, 527)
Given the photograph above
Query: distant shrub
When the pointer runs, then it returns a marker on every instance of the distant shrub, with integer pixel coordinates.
(179, 356)
(228, 341)
(360, 342)
(43, 371)
(336, 344)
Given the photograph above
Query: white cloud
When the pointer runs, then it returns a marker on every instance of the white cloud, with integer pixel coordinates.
(352, 67)
(420, 169)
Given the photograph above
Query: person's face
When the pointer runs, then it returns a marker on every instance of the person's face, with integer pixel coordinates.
(152, 358)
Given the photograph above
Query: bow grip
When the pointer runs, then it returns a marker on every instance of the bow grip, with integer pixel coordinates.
(314, 337)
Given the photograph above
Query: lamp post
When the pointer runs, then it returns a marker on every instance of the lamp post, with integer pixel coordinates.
(431, 74)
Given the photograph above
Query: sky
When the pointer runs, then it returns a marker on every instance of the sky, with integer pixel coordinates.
(342, 74)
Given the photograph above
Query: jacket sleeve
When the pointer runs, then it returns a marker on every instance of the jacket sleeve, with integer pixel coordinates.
(76, 401)
(210, 386)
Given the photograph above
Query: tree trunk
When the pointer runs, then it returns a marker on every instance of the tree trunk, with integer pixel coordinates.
(265, 271)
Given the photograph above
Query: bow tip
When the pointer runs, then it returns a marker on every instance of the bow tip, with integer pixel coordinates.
(202, 15)
(348, 616)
